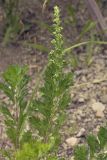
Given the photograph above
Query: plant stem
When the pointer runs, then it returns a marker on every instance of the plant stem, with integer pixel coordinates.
(83, 43)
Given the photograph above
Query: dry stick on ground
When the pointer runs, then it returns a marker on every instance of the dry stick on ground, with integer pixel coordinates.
(96, 15)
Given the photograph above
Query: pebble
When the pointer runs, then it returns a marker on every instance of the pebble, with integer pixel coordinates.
(97, 129)
(99, 108)
(81, 100)
(104, 99)
(64, 145)
(72, 141)
(72, 158)
(81, 133)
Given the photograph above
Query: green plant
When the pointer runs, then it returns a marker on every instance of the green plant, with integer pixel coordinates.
(55, 91)
(14, 85)
(90, 50)
(12, 20)
(44, 113)
(96, 148)
(32, 151)
(81, 153)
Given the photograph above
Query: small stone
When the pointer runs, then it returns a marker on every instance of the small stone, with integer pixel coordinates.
(97, 129)
(99, 114)
(71, 142)
(79, 112)
(64, 145)
(83, 115)
(104, 99)
(99, 109)
(81, 133)
(81, 100)
(72, 158)
(87, 120)
(84, 79)
(78, 118)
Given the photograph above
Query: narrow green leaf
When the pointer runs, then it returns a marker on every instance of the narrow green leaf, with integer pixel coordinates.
(102, 136)
(87, 27)
(5, 111)
(7, 90)
(93, 144)
(81, 153)
(39, 47)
